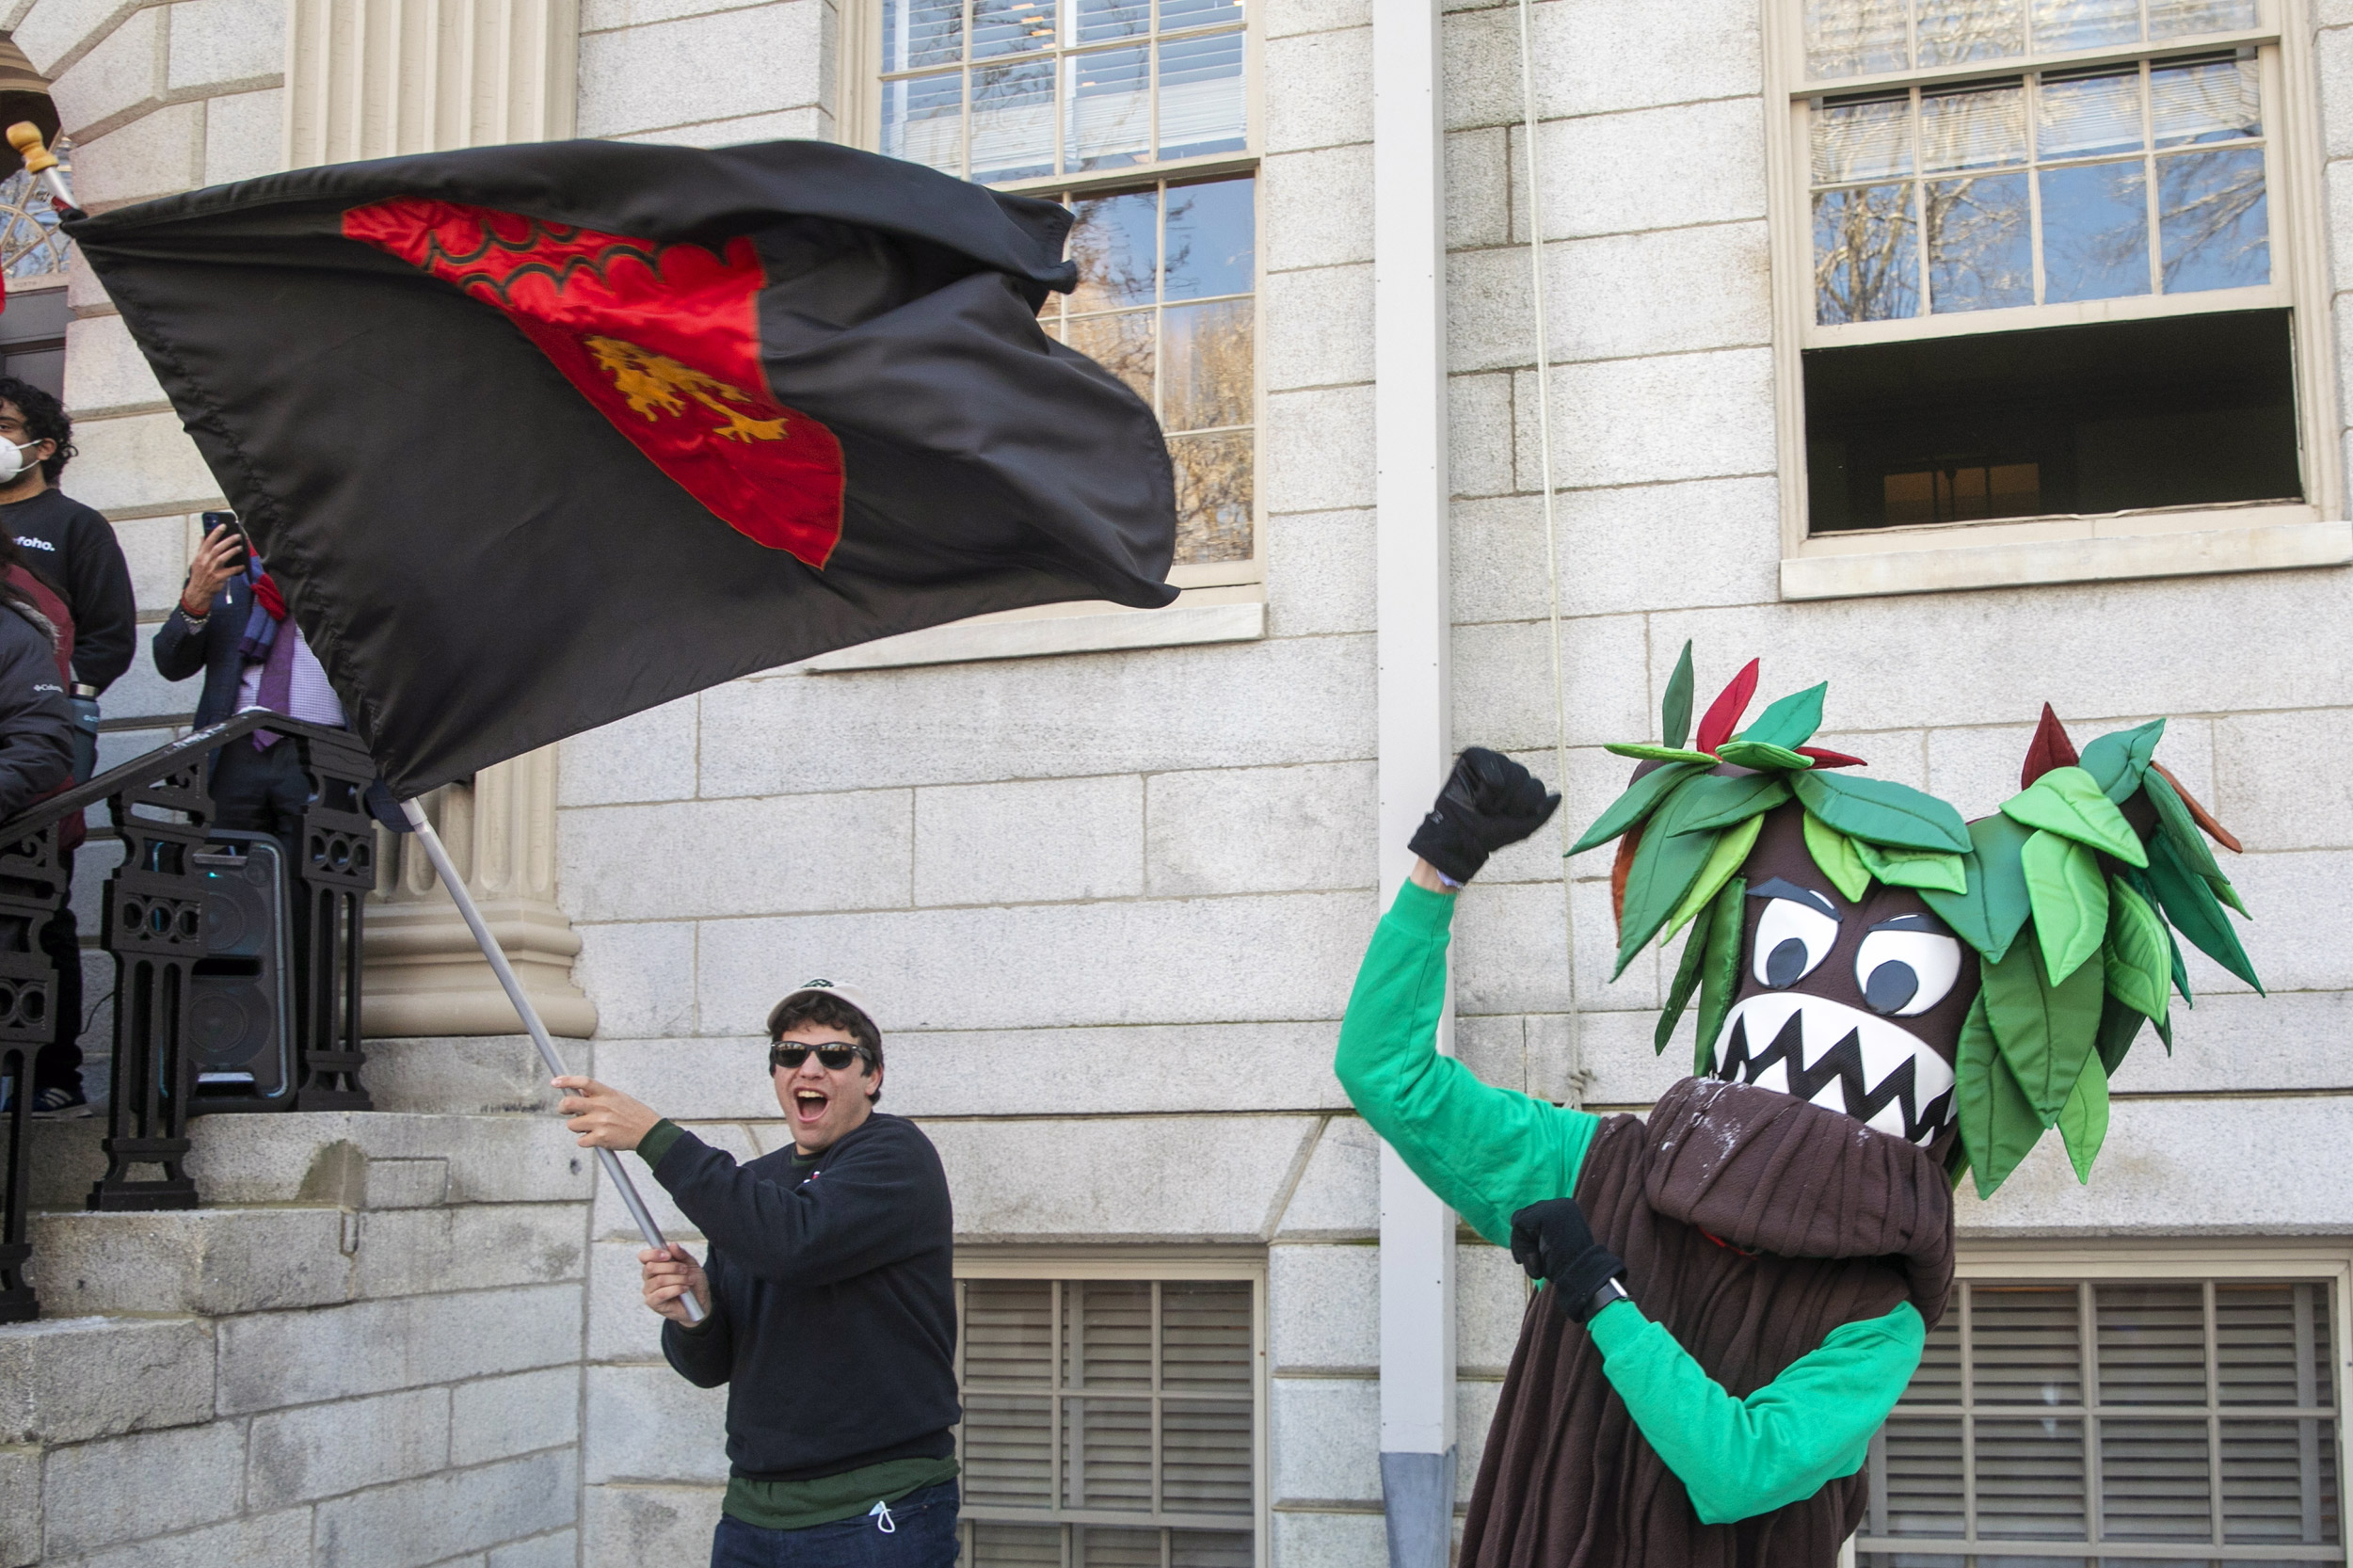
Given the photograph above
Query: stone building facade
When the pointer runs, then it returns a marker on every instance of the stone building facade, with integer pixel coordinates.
(1110, 873)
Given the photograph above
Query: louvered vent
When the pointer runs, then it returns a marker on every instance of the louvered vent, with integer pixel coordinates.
(2172, 1421)
(1109, 1423)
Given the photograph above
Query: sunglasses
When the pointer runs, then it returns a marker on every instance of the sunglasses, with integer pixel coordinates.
(832, 1058)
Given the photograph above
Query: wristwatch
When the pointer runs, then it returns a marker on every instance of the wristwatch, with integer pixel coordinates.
(1611, 1290)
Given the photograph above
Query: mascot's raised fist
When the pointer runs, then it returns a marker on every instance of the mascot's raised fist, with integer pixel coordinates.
(1489, 801)
(1552, 1241)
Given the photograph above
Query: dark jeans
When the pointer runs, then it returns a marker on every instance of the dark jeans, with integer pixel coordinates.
(59, 1064)
(923, 1536)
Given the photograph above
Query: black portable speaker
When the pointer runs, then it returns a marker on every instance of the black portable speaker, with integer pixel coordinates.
(241, 1001)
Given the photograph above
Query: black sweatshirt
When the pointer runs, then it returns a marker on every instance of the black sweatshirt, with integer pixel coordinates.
(74, 551)
(833, 1317)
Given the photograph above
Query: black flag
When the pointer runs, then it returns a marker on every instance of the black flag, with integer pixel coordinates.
(536, 437)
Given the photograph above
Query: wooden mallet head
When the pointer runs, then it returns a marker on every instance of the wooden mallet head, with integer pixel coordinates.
(25, 138)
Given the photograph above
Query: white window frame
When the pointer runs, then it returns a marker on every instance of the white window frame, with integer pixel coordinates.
(1151, 1263)
(2008, 552)
(1218, 602)
(2025, 1261)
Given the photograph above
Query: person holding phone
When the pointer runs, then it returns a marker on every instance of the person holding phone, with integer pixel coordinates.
(829, 1260)
(72, 550)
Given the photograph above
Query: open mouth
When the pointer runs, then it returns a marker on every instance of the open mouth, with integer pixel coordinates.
(1841, 1058)
(808, 1105)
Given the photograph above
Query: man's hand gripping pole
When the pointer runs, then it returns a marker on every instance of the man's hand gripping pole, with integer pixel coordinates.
(490, 950)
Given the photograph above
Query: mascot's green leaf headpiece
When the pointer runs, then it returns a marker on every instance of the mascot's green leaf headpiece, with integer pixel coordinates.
(2100, 853)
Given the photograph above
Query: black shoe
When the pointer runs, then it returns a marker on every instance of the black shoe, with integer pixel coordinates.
(59, 1105)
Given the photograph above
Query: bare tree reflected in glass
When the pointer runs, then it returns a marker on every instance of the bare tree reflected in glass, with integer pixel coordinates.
(2213, 221)
(1865, 267)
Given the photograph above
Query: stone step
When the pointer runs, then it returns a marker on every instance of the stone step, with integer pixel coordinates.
(208, 1261)
(343, 1159)
(69, 1380)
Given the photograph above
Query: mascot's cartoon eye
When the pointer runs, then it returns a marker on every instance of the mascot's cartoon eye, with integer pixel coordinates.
(1793, 935)
(1905, 967)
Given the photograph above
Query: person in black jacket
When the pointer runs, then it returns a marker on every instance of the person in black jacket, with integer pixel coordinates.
(36, 731)
(73, 550)
(830, 1301)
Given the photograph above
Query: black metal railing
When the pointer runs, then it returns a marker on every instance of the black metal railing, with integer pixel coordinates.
(160, 807)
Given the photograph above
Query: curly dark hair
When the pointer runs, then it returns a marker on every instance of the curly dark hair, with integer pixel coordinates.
(45, 419)
(828, 1012)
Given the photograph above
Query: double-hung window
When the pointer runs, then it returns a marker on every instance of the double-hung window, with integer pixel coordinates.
(1138, 115)
(2048, 278)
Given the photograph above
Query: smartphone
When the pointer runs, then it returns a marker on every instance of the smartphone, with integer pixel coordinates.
(223, 519)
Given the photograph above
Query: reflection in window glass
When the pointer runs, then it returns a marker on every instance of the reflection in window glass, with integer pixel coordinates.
(1013, 121)
(1855, 37)
(1951, 31)
(1211, 245)
(2183, 18)
(1197, 13)
(1101, 21)
(1982, 128)
(1111, 103)
(1980, 252)
(1202, 109)
(1868, 140)
(921, 32)
(1175, 321)
(2082, 116)
(924, 121)
(2211, 221)
(1010, 26)
(2064, 24)
(1865, 266)
(2095, 231)
(2205, 100)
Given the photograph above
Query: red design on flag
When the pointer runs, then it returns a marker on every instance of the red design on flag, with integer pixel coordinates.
(663, 339)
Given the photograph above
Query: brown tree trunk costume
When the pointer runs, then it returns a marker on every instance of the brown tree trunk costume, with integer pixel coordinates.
(1752, 1225)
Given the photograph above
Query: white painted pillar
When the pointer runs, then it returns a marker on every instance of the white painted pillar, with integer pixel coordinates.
(1416, 728)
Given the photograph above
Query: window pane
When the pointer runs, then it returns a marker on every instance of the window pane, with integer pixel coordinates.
(1107, 1333)
(2273, 1344)
(1205, 1330)
(2212, 218)
(1205, 1458)
(1854, 38)
(2027, 1349)
(2155, 1484)
(1120, 343)
(1213, 490)
(2095, 231)
(2030, 1479)
(1865, 264)
(921, 32)
(1937, 1381)
(1107, 1454)
(1201, 96)
(2064, 24)
(2206, 101)
(922, 121)
(1008, 1333)
(1013, 121)
(1197, 13)
(1951, 31)
(2153, 1344)
(1008, 1452)
(1981, 129)
(1980, 254)
(1016, 1546)
(1924, 1495)
(1114, 244)
(1099, 1547)
(1210, 1549)
(1102, 20)
(1010, 26)
(1212, 246)
(2081, 116)
(1111, 103)
(1861, 141)
(2182, 18)
(1206, 354)
(2280, 1482)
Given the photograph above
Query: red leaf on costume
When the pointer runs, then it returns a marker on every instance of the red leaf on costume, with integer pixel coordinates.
(1830, 758)
(2050, 748)
(1723, 714)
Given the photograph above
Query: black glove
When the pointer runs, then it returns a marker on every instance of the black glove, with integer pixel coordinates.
(1552, 1241)
(1488, 802)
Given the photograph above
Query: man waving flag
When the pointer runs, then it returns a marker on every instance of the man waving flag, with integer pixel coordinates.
(537, 437)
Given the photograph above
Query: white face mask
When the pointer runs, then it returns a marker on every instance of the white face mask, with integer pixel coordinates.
(15, 457)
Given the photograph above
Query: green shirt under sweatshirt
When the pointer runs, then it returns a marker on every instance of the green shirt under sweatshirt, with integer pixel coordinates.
(793, 1505)
(1490, 1152)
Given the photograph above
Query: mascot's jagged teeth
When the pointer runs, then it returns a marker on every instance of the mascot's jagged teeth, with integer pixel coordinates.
(1840, 1057)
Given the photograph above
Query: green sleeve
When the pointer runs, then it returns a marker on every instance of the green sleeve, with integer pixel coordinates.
(1739, 1458)
(654, 1144)
(1487, 1152)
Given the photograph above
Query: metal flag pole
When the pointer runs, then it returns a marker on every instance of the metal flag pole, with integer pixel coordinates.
(463, 897)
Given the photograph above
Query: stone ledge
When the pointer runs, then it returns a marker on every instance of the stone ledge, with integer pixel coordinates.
(69, 1380)
(2273, 547)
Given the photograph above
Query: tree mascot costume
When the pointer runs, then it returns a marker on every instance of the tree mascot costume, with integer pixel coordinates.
(1737, 1289)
